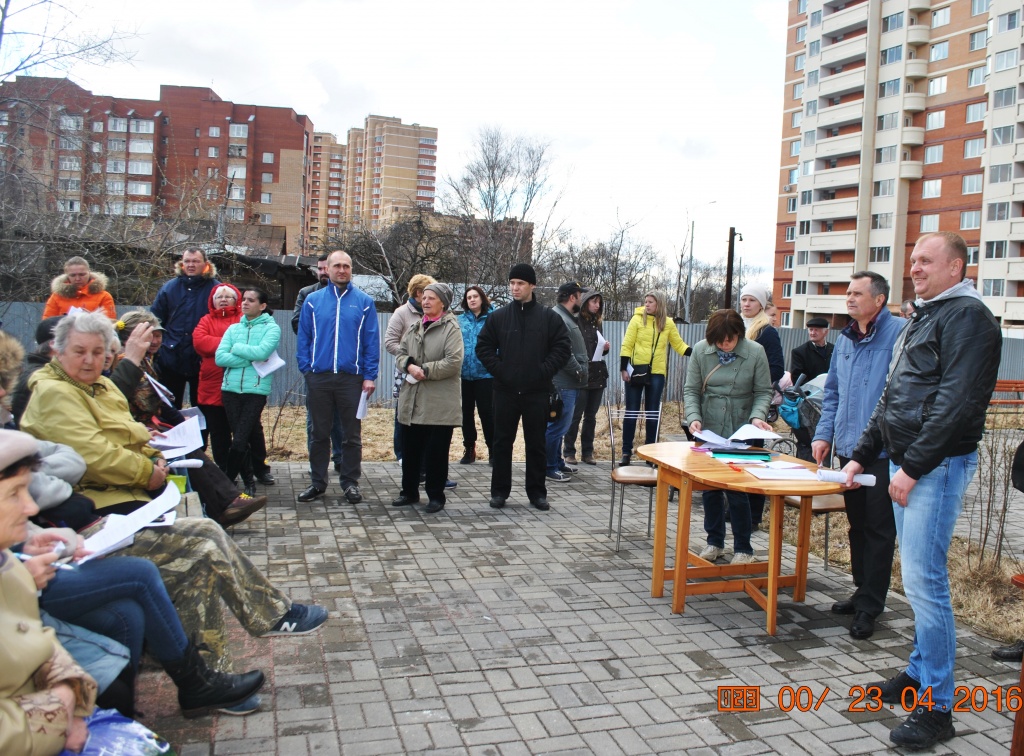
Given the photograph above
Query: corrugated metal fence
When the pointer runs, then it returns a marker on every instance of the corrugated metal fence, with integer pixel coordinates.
(20, 318)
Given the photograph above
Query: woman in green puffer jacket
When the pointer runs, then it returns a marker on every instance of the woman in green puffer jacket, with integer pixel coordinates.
(244, 390)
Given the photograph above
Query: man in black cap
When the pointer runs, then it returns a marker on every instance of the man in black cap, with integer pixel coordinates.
(812, 358)
(523, 345)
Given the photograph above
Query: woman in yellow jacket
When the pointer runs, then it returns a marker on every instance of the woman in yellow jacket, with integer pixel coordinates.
(644, 364)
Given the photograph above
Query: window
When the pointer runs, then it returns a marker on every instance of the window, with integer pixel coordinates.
(801, 33)
(884, 188)
(793, 175)
(933, 154)
(1006, 59)
(213, 173)
(807, 168)
(117, 124)
(974, 147)
(979, 6)
(790, 233)
(794, 148)
(889, 88)
(939, 52)
(798, 90)
(810, 137)
(888, 121)
(972, 184)
(812, 107)
(1000, 174)
(266, 198)
(141, 127)
(892, 55)
(893, 22)
(213, 152)
(935, 120)
(800, 287)
(115, 166)
(787, 262)
(1007, 21)
(238, 130)
(236, 192)
(95, 146)
(1004, 98)
(972, 255)
(266, 219)
(267, 178)
(69, 185)
(813, 50)
(940, 17)
(215, 132)
(998, 211)
(795, 118)
(937, 85)
(931, 188)
(806, 197)
(140, 167)
(142, 146)
(879, 255)
(71, 123)
(140, 187)
(211, 193)
(236, 150)
(885, 154)
(881, 220)
(801, 257)
(970, 219)
(976, 76)
(69, 206)
(1002, 135)
(978, 40)
(815, 18)
(791, 204)
(428, 152)
(236, 171)
(787, 291)
(929, 223)
(139, 208)
(235, 213)
(995, 250)
(117, 145)
(97, 126)
(69, 143)
(805, 228)
(976, 112)
(992, 287)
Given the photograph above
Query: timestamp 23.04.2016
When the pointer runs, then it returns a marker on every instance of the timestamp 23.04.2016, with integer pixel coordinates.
(868, 698)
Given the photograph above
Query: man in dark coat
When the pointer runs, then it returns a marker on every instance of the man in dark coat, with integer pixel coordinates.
(523, 345)
(813, 357)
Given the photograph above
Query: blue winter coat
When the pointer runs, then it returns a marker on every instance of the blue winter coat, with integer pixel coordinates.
(338, 333)
(856, 379)
(180, 304)
(471, 325)
(244, 343)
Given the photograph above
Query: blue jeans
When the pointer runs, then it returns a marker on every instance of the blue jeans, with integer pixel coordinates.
(556, 430)
(924, 529)
(651, 397)
(122, 598)
(739, 517)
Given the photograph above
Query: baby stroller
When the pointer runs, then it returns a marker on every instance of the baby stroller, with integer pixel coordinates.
(801, 410)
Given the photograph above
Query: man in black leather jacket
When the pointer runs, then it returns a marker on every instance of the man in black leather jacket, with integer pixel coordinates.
(929, 421)
(523, 345)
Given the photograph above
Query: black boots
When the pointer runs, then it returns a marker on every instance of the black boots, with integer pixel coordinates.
(202, 690)
(469, 457)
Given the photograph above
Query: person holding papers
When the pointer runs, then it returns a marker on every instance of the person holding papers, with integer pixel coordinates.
(728, 384)
(245, 387)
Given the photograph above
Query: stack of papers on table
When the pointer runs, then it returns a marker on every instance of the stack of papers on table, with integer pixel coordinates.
(748, 432)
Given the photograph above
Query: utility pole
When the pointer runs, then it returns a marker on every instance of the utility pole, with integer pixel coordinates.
(689, 273)
(733, 236)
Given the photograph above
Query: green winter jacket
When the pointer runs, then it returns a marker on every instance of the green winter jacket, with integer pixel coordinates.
(244, 343)
(735, 393)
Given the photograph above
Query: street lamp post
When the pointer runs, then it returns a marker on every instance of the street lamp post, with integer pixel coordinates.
(733, 237)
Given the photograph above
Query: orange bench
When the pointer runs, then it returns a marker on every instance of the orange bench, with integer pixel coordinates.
(1008, 387)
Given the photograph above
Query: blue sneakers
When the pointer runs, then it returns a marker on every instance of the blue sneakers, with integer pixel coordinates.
(299, 620)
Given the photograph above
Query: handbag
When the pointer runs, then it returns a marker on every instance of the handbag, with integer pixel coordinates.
(555, 405)
(641, 375)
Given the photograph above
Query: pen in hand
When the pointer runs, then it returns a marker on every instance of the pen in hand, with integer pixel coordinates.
(26, 557)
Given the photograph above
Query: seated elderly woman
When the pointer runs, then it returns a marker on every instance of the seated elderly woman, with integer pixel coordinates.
(74, 404)
(44, 695)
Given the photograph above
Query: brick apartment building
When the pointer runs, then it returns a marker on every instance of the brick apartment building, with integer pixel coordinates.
(900, 117)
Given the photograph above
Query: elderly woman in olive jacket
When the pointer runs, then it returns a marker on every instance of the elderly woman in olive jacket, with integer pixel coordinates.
(728, 384)
(430, 405)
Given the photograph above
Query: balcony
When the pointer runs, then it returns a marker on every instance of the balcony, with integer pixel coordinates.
(1016, 231)
(914, 101)
(839, 115)
(834, 305)
(911, 169)
(916, 6)
(829, 272)
(842, 83)
(919, 34)
(916, 68)
(842, 145)
(1015, 270)
(837, 177)
(1017, 195)
(1013, 309)
(846, 20)
(913, 136)
(833, 240)
(1018, 151)
(845, 52)
(842, 208)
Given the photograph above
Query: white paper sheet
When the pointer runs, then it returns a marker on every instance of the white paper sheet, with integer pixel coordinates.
(838, 476)
(265, 367)
(599, 352)
(361, 409)
(764, 473)
(179, 440)
(118, 528)
(749, 431)
(196, 412)
(717, 442)
(165, 394)
(781, 464)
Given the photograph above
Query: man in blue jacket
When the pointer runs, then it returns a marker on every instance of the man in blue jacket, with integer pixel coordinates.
(180, 304)
(856, 378)
(338, 351)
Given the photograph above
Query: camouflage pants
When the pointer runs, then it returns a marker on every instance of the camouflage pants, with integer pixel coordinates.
(200, 565)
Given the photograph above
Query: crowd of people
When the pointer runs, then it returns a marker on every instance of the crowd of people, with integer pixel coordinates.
(97, 390)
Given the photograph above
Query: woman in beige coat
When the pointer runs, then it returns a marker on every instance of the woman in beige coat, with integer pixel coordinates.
(430, 401)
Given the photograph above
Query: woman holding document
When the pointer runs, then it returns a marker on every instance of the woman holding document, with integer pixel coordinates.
(728, 385)
(246, 386)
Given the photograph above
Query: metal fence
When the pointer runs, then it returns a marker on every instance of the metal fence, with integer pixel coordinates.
(20, 318)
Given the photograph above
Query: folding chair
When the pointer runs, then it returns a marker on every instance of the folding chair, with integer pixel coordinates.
(644, 476)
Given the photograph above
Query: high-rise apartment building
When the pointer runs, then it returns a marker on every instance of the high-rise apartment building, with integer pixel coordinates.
(900, 117)
(384, 169)
(188, 156)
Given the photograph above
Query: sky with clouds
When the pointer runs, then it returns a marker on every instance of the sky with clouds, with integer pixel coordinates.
(656, 110)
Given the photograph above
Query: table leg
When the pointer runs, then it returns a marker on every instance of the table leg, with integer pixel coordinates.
(774, 562)
(682, 546)
(660, 537)
(803, 546)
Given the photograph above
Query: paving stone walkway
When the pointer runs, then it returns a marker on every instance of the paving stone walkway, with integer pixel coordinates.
(481, 631)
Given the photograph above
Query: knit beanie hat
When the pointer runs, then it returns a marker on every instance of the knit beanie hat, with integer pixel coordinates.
(444, 293)
(758, 292)
(523, 272)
